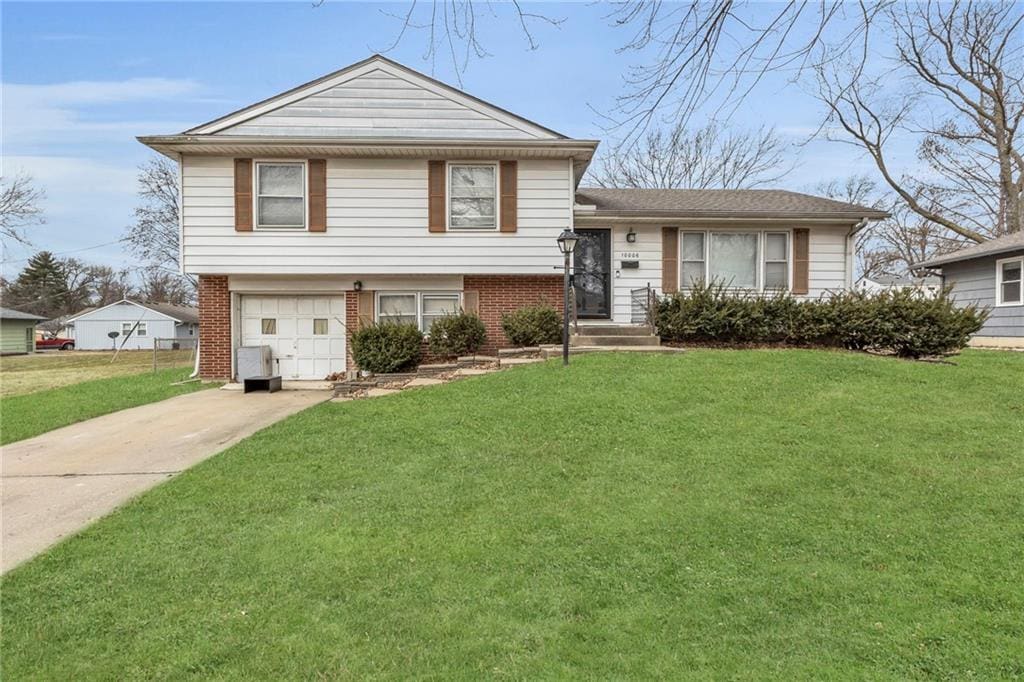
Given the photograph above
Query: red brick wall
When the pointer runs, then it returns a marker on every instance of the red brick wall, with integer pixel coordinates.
(505, 293)
(214, 327)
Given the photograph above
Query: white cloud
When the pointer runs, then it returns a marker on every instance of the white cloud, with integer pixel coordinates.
(40, 113)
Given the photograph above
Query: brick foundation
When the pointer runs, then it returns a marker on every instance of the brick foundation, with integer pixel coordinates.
(505, 293)
(214, 327)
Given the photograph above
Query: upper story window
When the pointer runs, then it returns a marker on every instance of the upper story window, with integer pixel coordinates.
(1010, 281)
(280, 195)
(473, 196)
(736, 259)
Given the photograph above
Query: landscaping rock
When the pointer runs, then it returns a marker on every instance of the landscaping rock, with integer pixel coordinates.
(512, 362)
(473, 371)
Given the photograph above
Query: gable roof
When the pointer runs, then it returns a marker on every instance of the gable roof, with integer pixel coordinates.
(718, 203)
(1005, 244)
(178, 313)
(349, 95)
(12, 314)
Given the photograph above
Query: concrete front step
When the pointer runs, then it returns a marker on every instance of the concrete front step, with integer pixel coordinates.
(612, 330)
(623, 341)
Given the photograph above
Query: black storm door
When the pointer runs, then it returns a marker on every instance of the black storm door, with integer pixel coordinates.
(592, 273)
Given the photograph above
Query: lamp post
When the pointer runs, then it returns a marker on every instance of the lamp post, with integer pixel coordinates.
(566, 244)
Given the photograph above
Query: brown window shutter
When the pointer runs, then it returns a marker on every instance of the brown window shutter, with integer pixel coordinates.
(669, 260)
(243, 195)
(436, 217)
(317, 195)
(509, 195)
(801, 260)
(364, 308)
(471, 302)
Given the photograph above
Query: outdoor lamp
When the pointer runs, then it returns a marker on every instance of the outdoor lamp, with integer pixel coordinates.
(567, 241)
(631, 236)
(566, 244)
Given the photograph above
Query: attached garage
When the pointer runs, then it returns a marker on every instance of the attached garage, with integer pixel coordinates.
(306, 334)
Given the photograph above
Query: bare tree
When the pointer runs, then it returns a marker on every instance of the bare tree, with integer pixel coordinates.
(960, 91)
(894, 245)
(452, 28)
(20, 207)
(154, 236)
(110, 285)
(160, 286)
(707, 158)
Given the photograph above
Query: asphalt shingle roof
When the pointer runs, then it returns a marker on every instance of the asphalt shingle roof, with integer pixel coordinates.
(741, 203)
(11, 314)
(1008, 242)
(182, 313)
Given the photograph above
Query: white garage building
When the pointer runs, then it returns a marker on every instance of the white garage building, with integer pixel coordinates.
(136, 324)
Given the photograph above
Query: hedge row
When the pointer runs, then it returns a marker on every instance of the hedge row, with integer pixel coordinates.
(902, 322)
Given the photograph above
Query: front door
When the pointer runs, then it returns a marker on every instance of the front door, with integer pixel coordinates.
(592, 261)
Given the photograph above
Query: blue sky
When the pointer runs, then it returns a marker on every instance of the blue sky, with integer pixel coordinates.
(81, 80)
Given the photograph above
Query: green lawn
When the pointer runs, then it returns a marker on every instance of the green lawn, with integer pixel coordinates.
(22, 374)
(24, 416)
(726, 514)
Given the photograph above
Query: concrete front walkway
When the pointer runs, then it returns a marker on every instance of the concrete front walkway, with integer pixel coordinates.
(57, 483)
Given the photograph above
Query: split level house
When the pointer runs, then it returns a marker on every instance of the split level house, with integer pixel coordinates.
(377, 193)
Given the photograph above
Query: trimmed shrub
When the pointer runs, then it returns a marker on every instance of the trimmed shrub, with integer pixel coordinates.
(533, 325)
(382, 348)
(902, 322)
(454, 335)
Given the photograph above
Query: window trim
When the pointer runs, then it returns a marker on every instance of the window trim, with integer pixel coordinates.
(999, 282)
(448, 195)
(419, 294)
(788, 260)
(142, 326)
(256, 195)
(761, 259)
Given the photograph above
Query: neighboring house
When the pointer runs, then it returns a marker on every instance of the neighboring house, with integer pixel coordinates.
(989, 275)
(60, 326)
(136, 324)
(378, 193)
(17, 331)
(929, 286)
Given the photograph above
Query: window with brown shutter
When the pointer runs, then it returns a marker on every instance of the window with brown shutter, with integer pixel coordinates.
(471, 302)
(669, 260)
(364, 308)
(509, 195)
(243, 195)
(436, 211)
(317, 195)
(801, 260)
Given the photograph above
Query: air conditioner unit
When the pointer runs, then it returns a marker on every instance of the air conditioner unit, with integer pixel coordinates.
(253, 361)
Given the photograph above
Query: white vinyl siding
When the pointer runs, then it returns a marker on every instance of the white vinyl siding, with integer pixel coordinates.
(376, 224)
(381, 103)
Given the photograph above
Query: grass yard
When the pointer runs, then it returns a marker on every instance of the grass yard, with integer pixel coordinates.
(30, 414)
(727, 514)
(22, 374)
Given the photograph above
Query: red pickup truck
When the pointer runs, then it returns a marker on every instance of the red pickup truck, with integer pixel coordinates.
(50, 343)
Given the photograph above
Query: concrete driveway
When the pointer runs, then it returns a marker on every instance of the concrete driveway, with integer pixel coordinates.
(57, 483)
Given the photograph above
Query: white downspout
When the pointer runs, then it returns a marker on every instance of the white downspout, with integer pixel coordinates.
(848, 249)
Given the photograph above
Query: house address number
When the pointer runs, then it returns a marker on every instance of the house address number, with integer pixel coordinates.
(629, 255)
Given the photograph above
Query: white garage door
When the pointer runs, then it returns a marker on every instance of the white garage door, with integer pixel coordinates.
(306, 334)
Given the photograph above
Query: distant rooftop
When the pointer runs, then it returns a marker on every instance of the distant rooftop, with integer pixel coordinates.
(11, 314)
(698, 203)
(1008, 242)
